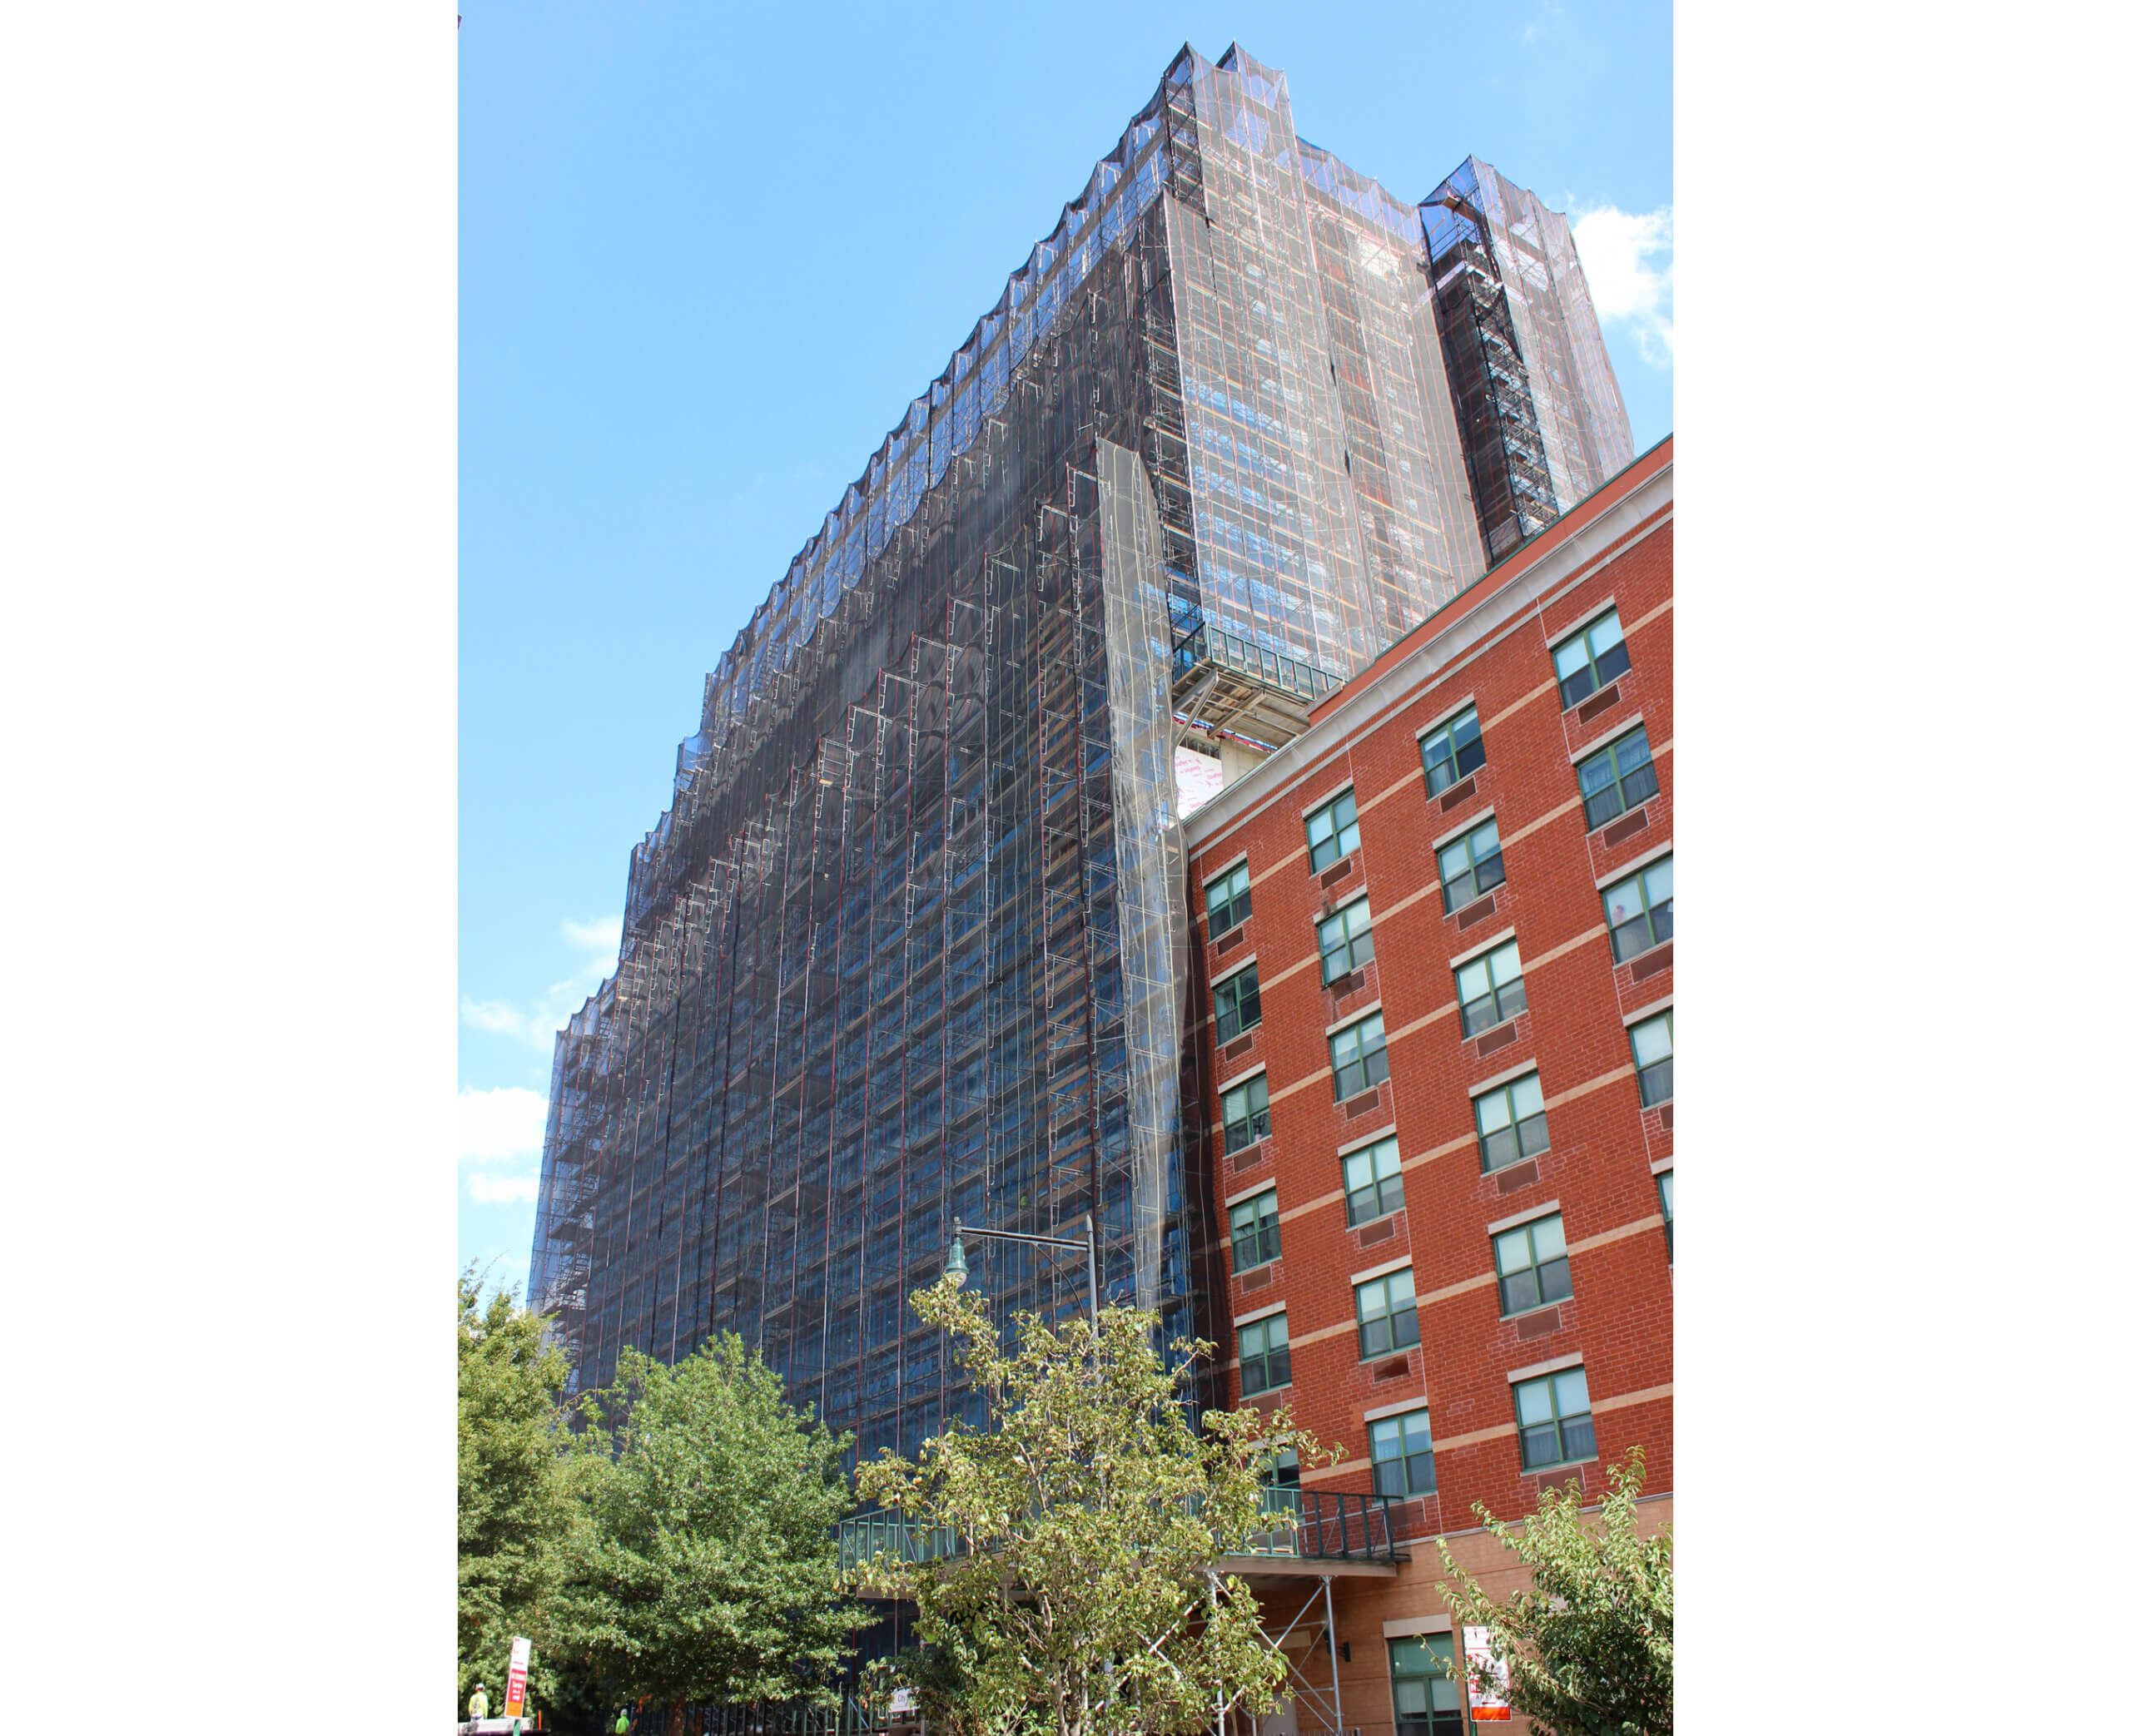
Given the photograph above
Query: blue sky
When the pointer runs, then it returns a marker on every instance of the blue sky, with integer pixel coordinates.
(707, 258)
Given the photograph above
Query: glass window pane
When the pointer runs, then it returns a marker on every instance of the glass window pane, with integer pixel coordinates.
(1506, 963)
(1571, 657)
(1595, 774)
(1631, 750)
(1653, 1041)
(1657, 880)
(1605, 634)
(1623, 901)
(1579, 1440)
(1520, 1290)
(1512, 1252)
(1548, 1241)
(1525, 1094)
(1541, 1446)
(1534, 1404)
(1571, 1394)
(1493, 1111)
(1401, 1285)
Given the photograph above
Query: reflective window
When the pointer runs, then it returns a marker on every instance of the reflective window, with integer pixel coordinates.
(1639, 910)
(1617, 778)
(1665, 1205)
(1424, 1691)
(1235, 1004)
(1512, 1122)
(1469, 866)
(1652, 1042)
(1591, 659)
(1453, 751)
(1246, 1117)
(1553, 1420)
(1490, 989)
(1401, 1459)
(1532, 1266)
(1333, 832)
(1343, 942)
(1262, 1354)
(1228, 900)
(1255, 1230)
(1359, 1059)
(1374, 1185)
(1384, 1308)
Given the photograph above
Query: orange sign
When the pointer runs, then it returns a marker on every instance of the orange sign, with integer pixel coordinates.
(513, 1696)
(1485, 1680)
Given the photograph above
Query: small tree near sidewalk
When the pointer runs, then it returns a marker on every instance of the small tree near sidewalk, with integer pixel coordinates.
(1084, 1597)
(708, 1569)
(1587, 1650)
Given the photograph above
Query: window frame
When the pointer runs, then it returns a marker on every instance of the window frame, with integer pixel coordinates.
(1265, 1209)
(1378, 1181)
(1350, 938)
(1364, 1057)
(1526, 1234)
(1496, 987)
(1339, 831)
(1665, 1205)
(1264, 1358)
(1442, 1652)
(1646, 915)
(1610, 754)
(1398, 1420)
(1507, 1091)
(1223, 885)
(1391, 1316)
(1232, 985)
(1455, 756)
(1261, 1112)
(1557, 1421)
(1580, 639)
(1663, 1016)
(1474, 866)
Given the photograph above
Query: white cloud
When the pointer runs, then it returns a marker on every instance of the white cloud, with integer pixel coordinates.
(536, 1022)
(1627, 261)
(497, 1190)
(506, 1124)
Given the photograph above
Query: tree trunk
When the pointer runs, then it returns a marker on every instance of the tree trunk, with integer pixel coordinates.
(674, 1718)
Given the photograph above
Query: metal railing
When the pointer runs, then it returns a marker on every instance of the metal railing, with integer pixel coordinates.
(1210, 644)
(1302, 1525)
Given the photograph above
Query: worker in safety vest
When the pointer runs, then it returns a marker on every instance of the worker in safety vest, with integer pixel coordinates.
(477, 1703)
(622, 1722)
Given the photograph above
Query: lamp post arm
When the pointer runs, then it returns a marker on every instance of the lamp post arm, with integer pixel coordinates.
(1087, 1242)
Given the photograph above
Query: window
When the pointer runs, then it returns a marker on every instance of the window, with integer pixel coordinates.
(1285, 1472)
(1228, 900)
(1385, 1308)
(1343, 940)
(1617, 778)
(1553, 1420)
(1469, 866)
(1359, 1058)
(1591, 659)
(1639, 910)
(1513, 1121)
(1532, 1266)
(1374, 1186)
(1333, 832)
(1665, 1205)
(1453, 751)
(1246, 1115)
(1401, 1455)
(1255, 1230)
(1262, 1349)
(1490, 989)
(1235, 1004)
(1424, 1687)
(1652, 1042)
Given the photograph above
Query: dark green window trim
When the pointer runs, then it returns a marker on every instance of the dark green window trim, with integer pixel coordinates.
(1651, 1041)
(1639, 910)
(1511, 1120)
(1665, 1204)
(1255, 1230)
(1375, 1186)
(1469, 866)
(1235, 1004)
(1401, 1456)
(1426, 1695)
(1592, 657)
(1262, 1354)
(1490, 988)
(1454, 751)
(1387, 1314)
(1532, 1266)
(1333, 832)
(1228, 900)
(1343, 940)
(1359, 1058)
(1553, 1421)
(1246, 1114)
(1619, 776)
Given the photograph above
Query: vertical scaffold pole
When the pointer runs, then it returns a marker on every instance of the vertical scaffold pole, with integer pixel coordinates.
(1332, 1644)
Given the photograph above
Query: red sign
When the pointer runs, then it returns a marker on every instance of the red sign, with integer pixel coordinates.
(514, 1696)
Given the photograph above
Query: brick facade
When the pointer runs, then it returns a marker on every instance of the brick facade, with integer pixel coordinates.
(1491, 648)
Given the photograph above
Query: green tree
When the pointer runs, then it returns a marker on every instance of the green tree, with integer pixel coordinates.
(708, 1568)
(516, 1509)
(1588, 1649)
(1084, 1598)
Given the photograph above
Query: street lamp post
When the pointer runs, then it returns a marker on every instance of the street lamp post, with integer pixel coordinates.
(958, 1266)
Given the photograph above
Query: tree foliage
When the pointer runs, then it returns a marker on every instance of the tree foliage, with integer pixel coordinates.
(517, 1511)
(1588, 1648)
(1084, 1600)
(708, 1570)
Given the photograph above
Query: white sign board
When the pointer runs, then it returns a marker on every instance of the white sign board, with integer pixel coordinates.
(1486, 1681)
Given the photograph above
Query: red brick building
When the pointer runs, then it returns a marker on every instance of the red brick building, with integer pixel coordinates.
(1434, 967)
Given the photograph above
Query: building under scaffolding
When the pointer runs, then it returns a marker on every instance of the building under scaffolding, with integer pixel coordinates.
(910, 942)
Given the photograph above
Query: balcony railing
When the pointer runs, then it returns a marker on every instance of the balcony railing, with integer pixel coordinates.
(1301, 1525)
(1209, 644)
